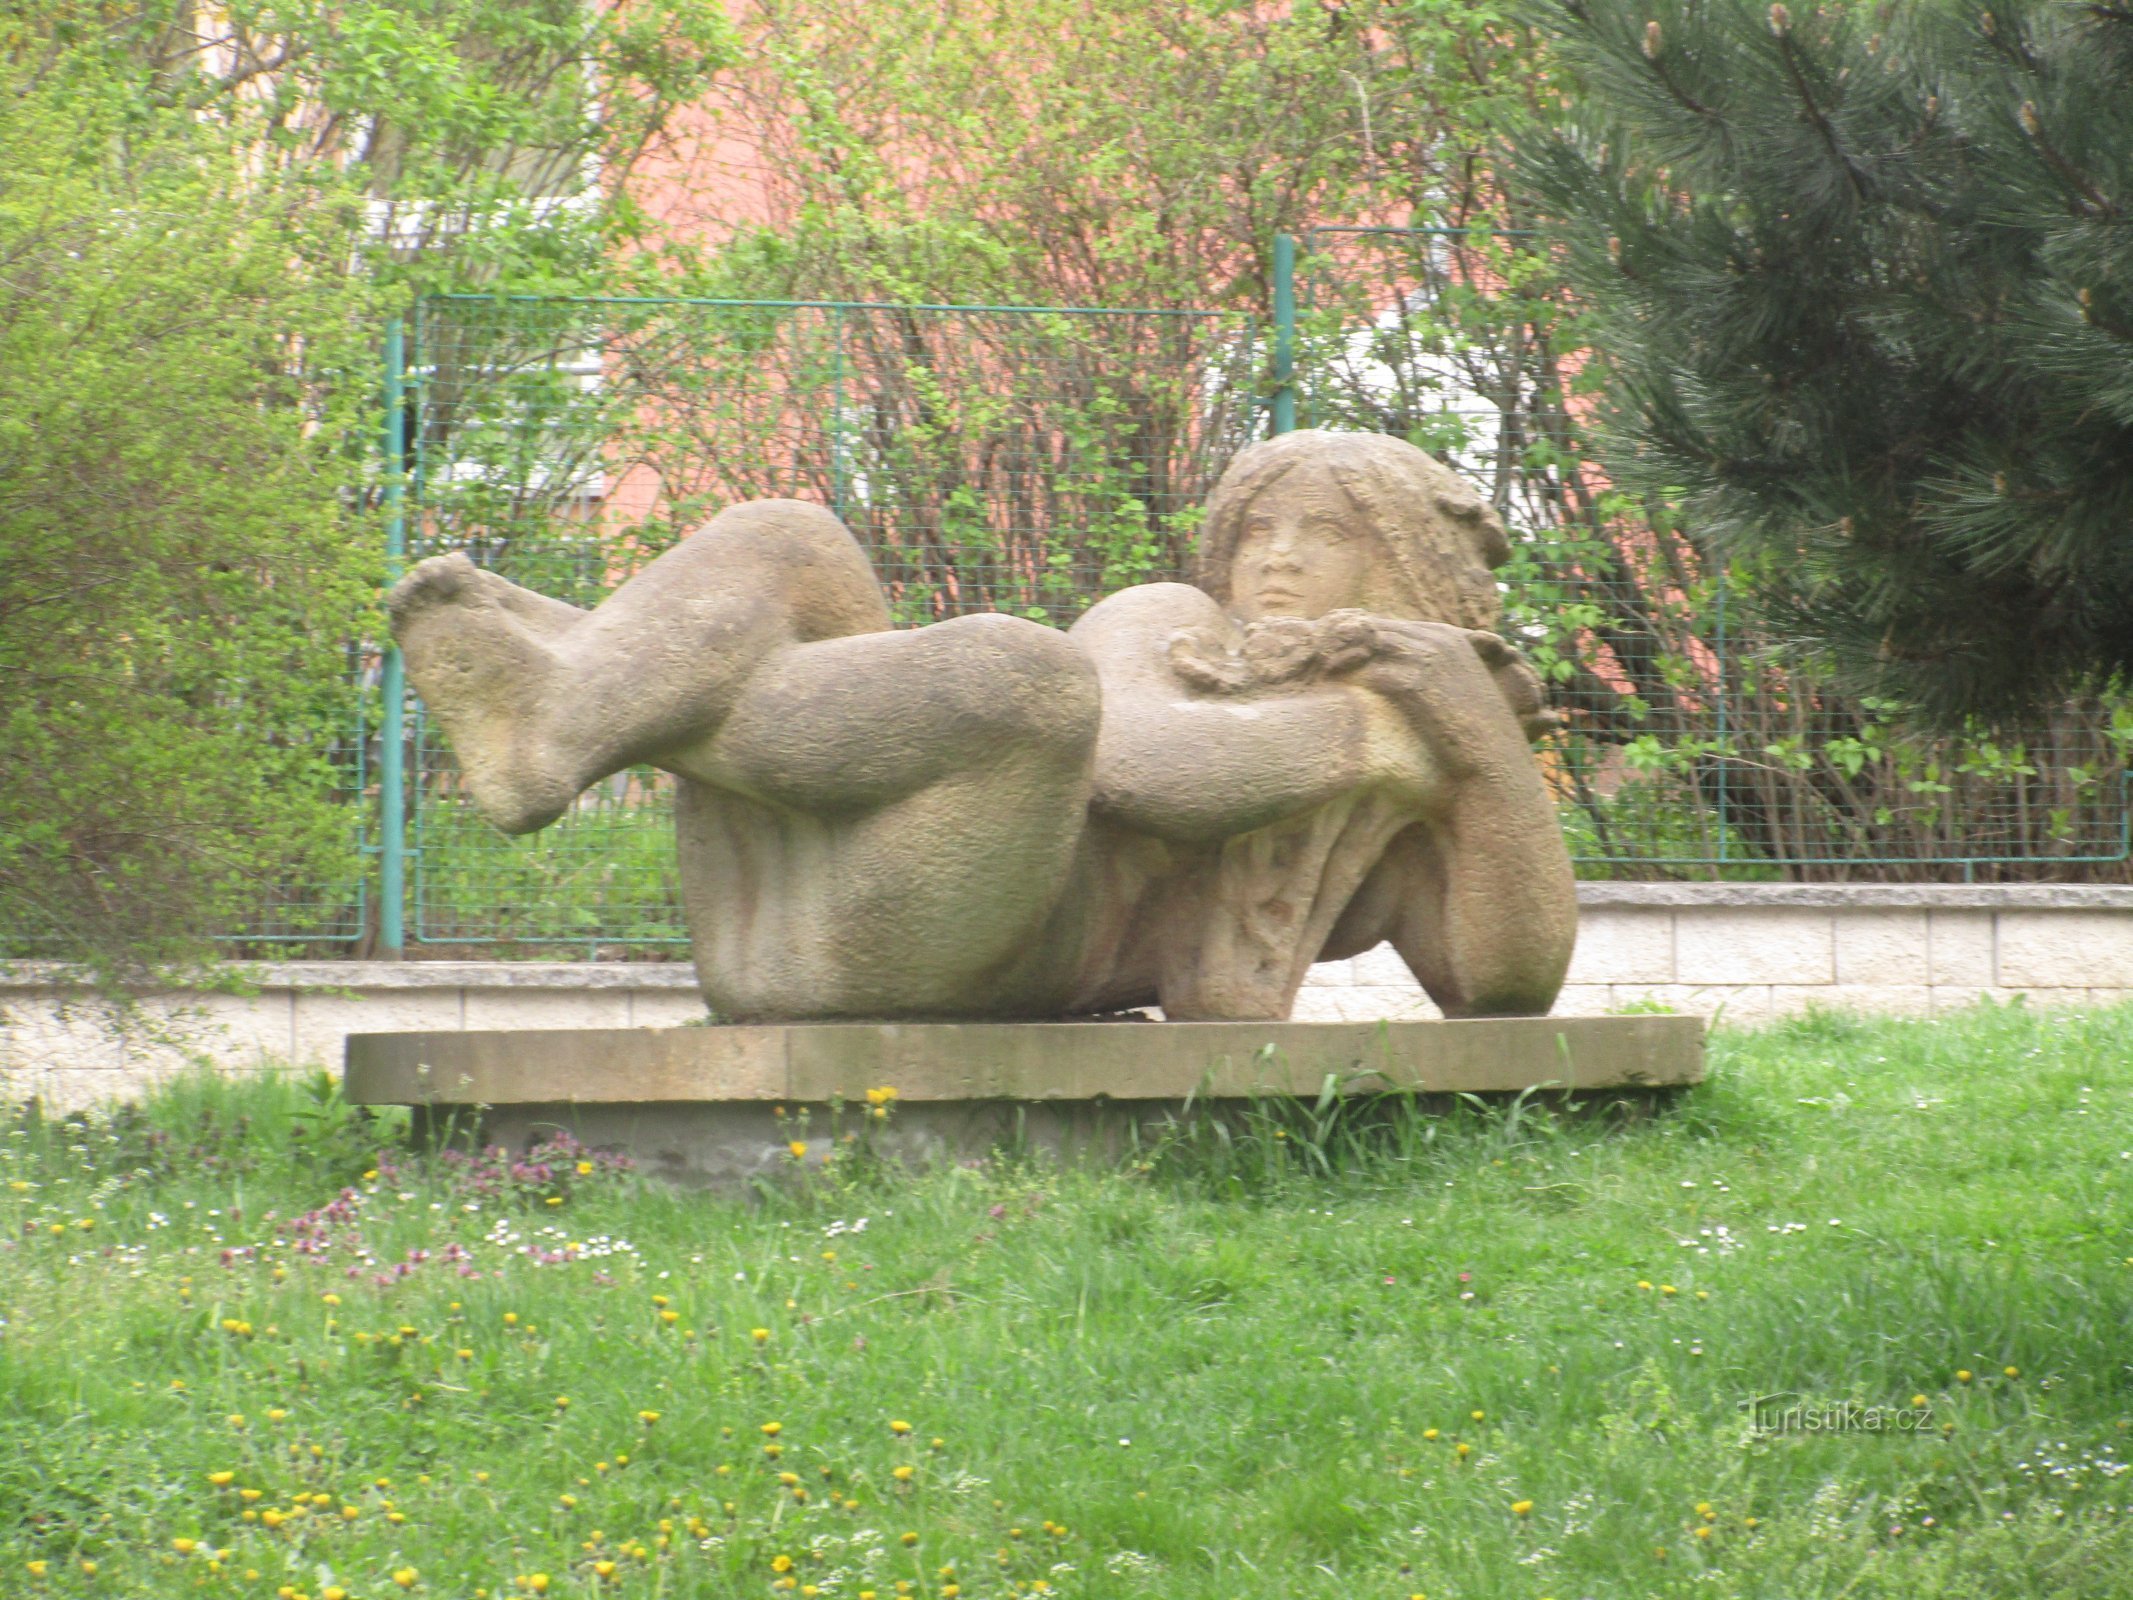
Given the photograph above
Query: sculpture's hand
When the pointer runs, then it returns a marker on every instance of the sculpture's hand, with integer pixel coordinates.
(1286, 650)
(1351, 640)
(1470, 695)
(1203, 659)
(1519, 684)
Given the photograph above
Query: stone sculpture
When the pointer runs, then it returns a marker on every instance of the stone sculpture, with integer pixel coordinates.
(1185, 799)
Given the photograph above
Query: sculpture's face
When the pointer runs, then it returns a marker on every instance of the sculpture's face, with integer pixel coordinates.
(1301, 553)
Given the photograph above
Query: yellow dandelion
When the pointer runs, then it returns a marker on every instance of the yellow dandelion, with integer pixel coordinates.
(647, 1417)
(759, 1335)
(585, 1169)
(1520, 1508)
(781, 1564)
(798, 1147)
(2012, 1372)
(899, 1427)
(222, 1480)
(562, 1402)
(903, 1474)
(773, 1429)
(908, 1538)
(1962, 1375)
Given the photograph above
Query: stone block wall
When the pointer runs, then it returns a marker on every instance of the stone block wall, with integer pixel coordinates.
(1741, 953)
(1745, 953)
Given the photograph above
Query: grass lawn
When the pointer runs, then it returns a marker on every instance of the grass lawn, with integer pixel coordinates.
(1499, 1353)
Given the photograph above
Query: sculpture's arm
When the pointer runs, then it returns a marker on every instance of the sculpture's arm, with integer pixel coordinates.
(1486, 909)
(1181, 763)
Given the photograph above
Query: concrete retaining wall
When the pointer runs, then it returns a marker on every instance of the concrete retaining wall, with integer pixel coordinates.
(1743, 952)
(1749, 952)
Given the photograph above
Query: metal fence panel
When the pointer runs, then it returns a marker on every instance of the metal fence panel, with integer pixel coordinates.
(1694, 743)
(987, 458)
(1030, 461)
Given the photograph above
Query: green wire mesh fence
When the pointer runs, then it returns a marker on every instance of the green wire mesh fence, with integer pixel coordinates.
(988, 459)
(1690, 745)
(1031, 461)
(297, 917)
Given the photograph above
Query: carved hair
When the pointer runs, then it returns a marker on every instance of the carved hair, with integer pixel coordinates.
(1441, 538)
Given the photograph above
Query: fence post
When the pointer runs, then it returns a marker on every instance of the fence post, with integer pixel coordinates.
(1725, 729)
(1284, 417)
(392, 779)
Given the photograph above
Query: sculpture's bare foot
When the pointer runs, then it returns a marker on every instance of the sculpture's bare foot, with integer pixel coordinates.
(485, 665)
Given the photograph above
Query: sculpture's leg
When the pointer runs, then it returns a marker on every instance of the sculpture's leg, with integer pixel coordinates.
(886, 825)
(540, 699)
(482, 653)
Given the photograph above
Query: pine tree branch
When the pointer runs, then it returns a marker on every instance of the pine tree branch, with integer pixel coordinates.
(1781, 25)
(2012, 46)
(1687, 100)
(2098, 204)
(2103, 320)
(1655, 53)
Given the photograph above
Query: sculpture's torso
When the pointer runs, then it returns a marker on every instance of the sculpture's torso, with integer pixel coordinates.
(870, 914)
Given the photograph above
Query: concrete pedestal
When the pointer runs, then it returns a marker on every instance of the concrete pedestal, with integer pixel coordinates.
(698, 1103)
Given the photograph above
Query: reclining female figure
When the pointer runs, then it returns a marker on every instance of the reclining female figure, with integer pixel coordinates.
(1185, 799)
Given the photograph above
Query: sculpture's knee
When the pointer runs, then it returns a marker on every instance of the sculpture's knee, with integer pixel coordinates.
(799, 555)
(1018, 687)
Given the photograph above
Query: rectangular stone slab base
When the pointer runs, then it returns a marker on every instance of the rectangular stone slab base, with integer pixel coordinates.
(697, 1104)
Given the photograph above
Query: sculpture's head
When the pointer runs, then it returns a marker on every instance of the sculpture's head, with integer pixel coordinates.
(1314, 521)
